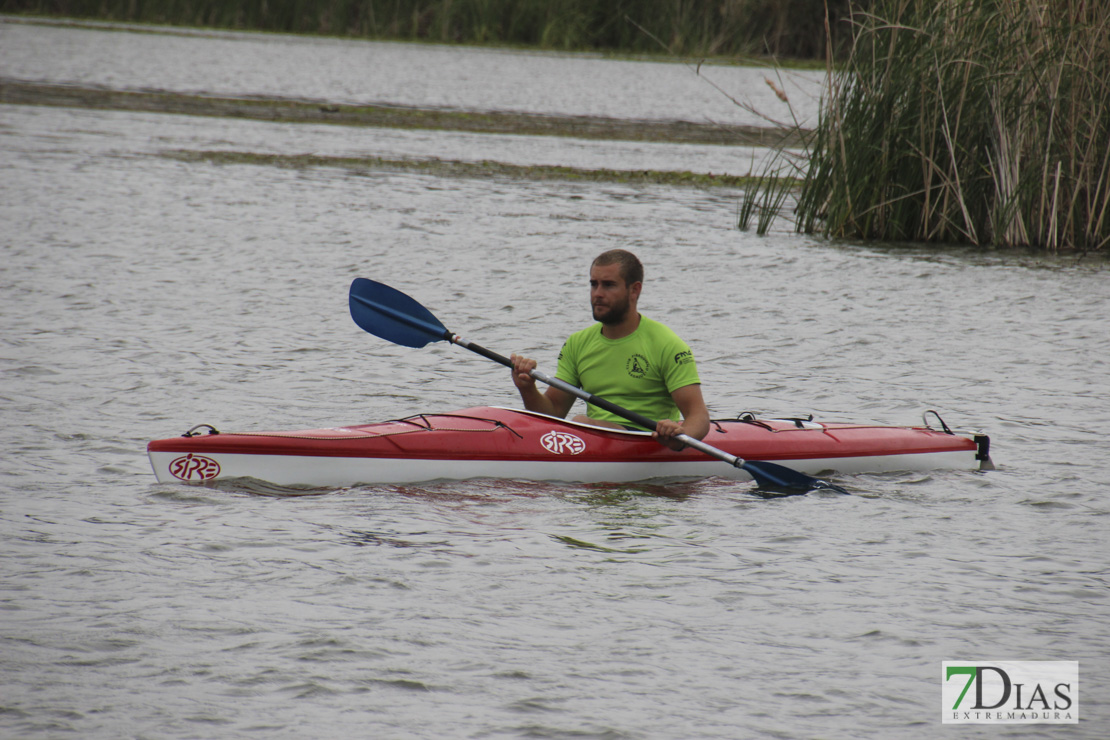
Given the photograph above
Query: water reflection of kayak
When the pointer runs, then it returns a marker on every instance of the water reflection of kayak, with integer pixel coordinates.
(492, 442)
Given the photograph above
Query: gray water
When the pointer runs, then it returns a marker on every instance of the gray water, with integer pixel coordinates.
(143, 295)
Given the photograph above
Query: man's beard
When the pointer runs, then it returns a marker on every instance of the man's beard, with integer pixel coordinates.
(614, 314)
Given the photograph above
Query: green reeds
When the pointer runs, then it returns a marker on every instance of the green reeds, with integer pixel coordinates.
(767, 196)
(974, 121)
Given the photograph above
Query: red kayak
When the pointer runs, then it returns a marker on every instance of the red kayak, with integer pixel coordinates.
(491, 442)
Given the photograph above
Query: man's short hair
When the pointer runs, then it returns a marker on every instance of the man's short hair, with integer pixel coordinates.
(631, 269)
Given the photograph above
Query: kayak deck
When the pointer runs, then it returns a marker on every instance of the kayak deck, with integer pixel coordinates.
(507, 443)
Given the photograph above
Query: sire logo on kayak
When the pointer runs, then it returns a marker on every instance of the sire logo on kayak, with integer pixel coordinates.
(562, 443)
(194, 467)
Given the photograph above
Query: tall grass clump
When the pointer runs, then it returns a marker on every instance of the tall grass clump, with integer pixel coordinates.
(974, 121)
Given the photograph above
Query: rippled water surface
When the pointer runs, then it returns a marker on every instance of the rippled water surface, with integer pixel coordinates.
(143, 295)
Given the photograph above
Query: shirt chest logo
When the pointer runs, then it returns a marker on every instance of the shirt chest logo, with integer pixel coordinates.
(637, 366)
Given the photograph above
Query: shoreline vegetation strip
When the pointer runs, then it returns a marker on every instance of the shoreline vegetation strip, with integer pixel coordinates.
(283, 110)
(459, 168)
(806, 30)
(657, 56)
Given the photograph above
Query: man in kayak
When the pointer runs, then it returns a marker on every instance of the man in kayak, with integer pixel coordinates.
(626, 358)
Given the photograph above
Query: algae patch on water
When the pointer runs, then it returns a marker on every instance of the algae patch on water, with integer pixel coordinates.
(282, 110)
(382, 115)
(459, 168)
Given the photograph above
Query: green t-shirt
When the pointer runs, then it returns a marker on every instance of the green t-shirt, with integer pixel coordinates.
(638, 372)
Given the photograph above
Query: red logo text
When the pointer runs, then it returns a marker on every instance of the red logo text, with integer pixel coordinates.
(194, 467)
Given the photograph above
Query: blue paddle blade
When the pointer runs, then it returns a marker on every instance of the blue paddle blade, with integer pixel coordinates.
(390, 314)
(770, 475)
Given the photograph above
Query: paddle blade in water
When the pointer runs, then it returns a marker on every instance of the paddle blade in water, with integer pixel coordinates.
(390, 314)
(770, 475)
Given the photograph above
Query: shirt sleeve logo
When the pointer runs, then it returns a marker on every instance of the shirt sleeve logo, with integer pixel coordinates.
(684, 358)
(637, 366)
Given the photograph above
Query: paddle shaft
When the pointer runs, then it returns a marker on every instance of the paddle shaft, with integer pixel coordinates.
(632, 416)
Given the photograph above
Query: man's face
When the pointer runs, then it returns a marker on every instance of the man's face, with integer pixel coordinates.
(610, 297)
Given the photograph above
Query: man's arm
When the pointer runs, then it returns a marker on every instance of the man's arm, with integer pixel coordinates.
(695, 417)
(553, 402)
